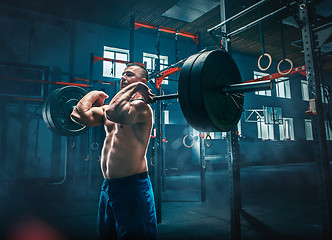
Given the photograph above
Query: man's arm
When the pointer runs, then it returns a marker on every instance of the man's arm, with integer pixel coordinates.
(123, 111)
(88, 115)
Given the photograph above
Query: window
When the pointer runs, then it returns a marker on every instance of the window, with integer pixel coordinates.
(305, 90)
(115, 69)
(166, 116)
(196, 133)
(150, 62)
(224, 134)
(283, 88)
(272, 115)
(308, 129)
(264, 92)
(239, 129)
(265, 131)
(325, 94)
(286, 129)
(328, 131)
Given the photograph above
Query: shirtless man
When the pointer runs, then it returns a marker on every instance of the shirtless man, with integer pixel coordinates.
(126, 205)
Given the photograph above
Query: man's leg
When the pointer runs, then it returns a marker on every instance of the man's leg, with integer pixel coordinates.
(106, 222)
(136, 215)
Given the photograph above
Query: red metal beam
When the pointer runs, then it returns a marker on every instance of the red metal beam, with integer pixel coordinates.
(42, 81)
(98, 81)
(166, 73)
(96, 59)
(139, 24)
(300, 69)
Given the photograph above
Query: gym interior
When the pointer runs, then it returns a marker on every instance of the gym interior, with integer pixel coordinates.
(264, 174)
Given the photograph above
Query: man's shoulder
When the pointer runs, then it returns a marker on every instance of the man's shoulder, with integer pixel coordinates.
(143, 111)
(139, 104)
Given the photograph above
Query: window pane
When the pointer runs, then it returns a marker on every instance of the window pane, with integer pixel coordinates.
(324, 95)
(305, 90)
(116, 69)
(287, 129)
(147, 62)
(239, 129)
(107, 66)
(121, 56)
(270, 132)
(166, 116)
(259, 75)
(259, 130)
(268, 115)
(150, 60)
(283, 88)
(119, 68)
(328, 131)
(308, 129)
(287, 89)
(265, 131)
(223, 135)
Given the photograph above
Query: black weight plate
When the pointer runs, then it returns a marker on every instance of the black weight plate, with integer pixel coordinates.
(49, 113)
(211, 72)
(46, 112)
(57, 109)
(201, 117)
(184, 90)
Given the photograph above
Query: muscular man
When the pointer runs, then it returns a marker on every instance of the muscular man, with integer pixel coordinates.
(126, 205)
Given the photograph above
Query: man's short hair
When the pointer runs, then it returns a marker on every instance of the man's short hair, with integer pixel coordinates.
(144, 72)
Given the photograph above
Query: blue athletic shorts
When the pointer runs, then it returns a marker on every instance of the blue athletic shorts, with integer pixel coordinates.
(127, 209)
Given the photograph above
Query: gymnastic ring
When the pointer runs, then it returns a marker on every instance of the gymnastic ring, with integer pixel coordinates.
(259, 61)
(210, 138)
(94, 146)
(184, 141)
(290, 69)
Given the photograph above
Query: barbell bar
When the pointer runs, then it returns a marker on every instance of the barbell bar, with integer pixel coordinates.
(207, 91)
(232, 89)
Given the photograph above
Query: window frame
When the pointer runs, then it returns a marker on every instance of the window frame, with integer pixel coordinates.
(151, 66)
(116, 67)
(282, 127)
(267, 93)
(283, 88)
(264, 131)
(308, 129)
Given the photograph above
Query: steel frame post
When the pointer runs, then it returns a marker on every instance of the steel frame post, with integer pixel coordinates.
(311, 58)
(202, 166)
(158, 142)
(163, 142)
(90, 131)
(234, 184)
(158, 157)
(232, 149)
(132, 40)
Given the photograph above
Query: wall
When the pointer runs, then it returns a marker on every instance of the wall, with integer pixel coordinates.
(64, 47)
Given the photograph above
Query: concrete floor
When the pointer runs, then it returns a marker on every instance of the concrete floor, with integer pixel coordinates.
(278, 202)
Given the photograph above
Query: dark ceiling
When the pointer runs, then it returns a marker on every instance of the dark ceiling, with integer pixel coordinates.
(117, 13)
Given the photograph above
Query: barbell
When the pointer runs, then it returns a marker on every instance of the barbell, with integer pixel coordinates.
(208, 88)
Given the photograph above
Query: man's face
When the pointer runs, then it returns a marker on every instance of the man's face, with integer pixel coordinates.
(131, 75)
